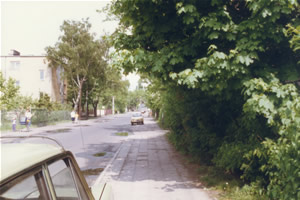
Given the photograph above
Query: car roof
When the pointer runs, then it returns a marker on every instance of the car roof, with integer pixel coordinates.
(16, 157)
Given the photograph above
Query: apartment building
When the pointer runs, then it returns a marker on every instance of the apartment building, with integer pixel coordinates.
(33, 75)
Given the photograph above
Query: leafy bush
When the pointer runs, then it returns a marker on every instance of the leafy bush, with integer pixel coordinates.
(247, 192)
(280, 105)
(230, 156)
(227, 72)
(284, 159)
(44, 117)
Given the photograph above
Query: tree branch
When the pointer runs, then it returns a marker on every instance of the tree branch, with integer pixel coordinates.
(76, 83)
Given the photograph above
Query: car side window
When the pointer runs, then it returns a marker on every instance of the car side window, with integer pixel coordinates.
(25, 187)
(63, 181)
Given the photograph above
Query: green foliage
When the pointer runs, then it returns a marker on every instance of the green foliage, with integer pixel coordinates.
(135, 98)
(42, 117)
(97, 82)
(44, 102)
(223, 75)
(280, 104)
(284, 159)
(25, 102)
(9, 93)
(295, 36)
(82, 59)
(117, 88)
(229, 152)
(247, 192)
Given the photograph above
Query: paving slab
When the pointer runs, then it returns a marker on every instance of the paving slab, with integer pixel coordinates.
(147, 167)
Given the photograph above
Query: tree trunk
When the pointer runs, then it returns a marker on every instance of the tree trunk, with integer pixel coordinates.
(95, 110)
(95, 104)
(77, 107)
(78, 100)
(157, 113)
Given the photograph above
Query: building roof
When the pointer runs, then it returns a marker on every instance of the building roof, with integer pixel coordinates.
(16, 157)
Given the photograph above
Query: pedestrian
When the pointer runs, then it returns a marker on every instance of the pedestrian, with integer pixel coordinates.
(76, 117)
(28, 116)
(73, 116)
(14, 124)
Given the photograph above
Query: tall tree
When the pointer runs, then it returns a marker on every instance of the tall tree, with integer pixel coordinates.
(77, 53)
(97, 77)
(226, 65)
(115, 88)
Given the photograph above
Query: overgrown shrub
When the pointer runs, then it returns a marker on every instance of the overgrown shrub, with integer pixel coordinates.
(44, 117)
(227, 72)
(230, 156)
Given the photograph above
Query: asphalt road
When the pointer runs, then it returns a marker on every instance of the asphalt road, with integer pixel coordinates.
(93, 142)
(142, 165)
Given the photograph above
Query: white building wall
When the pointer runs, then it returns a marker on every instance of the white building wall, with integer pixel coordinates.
(28, 74)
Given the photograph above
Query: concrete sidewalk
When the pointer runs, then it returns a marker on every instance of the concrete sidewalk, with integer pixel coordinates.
(147, 167)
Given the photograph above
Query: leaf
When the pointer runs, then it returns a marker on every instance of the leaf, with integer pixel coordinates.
(213, 35)
(266, 12)
(173, 75)
(188, 19)
(220, 55)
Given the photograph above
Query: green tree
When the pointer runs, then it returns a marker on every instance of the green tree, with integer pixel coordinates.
(117, 88)
(97, 78)
(229, 74)
(9, 93)
(135, 98)
(138, 96)
(44, 102)
(77, 53)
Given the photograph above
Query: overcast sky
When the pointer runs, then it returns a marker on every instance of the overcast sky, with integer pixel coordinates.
(30, 26)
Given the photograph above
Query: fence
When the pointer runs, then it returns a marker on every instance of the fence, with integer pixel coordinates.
(39, 117)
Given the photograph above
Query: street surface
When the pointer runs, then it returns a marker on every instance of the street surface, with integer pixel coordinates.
(142, 165)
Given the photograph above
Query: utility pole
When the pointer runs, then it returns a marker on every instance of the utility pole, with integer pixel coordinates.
(87, 104)
(113, 105)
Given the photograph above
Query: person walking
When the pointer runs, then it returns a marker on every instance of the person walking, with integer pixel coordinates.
(28, 116)
(73, 116)
(14, 124)
(76, 117)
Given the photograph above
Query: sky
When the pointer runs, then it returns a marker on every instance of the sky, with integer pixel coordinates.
(30, 26)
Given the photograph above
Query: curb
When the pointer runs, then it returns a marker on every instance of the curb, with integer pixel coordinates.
(100, 178)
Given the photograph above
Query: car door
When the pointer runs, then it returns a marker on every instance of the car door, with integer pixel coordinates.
(55, 179)
(30, 185)
(65, 182)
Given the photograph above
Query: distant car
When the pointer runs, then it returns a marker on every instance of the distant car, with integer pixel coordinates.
(137, 118)
(44, 171)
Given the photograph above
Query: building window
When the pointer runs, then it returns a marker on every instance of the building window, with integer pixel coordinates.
(14, 65)
(17, 83)
(42, 75)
